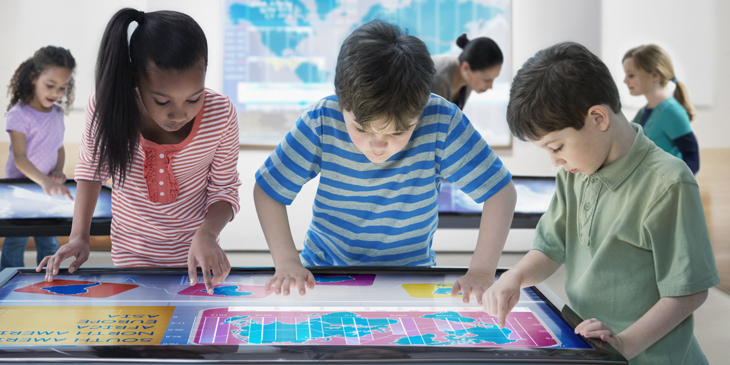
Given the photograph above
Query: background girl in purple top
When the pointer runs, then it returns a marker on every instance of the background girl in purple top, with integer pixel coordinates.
(34, 120)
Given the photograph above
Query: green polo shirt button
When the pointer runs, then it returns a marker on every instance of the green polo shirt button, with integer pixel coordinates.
(587, 206)
(594, 179)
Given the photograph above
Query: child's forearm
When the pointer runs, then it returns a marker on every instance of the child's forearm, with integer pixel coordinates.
(22, 162)
(218, 215)
(87, 194)
(493, 230)
(533, 268)
(666, 314)
(61, 159)
(275, 224)
(29, 170)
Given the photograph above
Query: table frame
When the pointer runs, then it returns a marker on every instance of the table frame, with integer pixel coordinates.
(22, 227)
(520, 220)
(266, 354)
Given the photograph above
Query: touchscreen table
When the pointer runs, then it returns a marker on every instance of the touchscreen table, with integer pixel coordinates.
(27, 211)
(534, 193)
(352, 315)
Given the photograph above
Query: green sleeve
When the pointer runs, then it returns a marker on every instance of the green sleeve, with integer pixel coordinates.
(550, 233)
(676, 231)
(674, 121)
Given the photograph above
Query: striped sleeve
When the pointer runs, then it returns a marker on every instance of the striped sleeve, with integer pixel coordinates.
(223, 180)
(88, 162)
(469, 163)
(295, 161)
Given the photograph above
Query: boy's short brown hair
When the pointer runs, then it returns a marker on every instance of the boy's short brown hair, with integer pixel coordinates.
(383, 73)
(555, 88)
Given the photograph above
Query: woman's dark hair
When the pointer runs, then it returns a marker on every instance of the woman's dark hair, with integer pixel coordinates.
(21, 86)
(168, 40)
(481, 53)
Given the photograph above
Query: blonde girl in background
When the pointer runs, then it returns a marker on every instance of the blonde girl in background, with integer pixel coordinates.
(665, 118)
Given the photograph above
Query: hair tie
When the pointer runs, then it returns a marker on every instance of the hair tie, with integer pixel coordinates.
(139, 18)
(674, 80)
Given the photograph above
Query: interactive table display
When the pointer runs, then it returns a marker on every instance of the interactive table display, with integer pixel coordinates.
(27, 211)
(534, 193)
(362, 315)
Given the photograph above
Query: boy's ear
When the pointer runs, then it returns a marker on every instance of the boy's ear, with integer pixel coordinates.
(599, 116)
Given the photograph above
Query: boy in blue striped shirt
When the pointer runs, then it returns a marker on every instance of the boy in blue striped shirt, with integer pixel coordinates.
(381, 146)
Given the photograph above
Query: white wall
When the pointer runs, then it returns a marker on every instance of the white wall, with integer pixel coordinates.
(604, 27)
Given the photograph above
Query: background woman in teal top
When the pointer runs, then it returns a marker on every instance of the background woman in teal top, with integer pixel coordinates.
(665, 119)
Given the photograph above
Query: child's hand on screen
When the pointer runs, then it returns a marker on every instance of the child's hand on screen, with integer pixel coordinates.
(501, 297)
(53, 188)
(593, 328)
(472, 283)
(288, 276)
(78, 248)
(57, 176)
(206, 253)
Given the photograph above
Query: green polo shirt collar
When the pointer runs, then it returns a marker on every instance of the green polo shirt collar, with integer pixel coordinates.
(616, 173)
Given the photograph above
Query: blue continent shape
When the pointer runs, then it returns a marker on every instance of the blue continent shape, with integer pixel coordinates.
(309, 72)
(229, 291)
(317, 327)
(477, 334)
(450, 316)
(333, 279)
(274, 14)
(74, 289)
(443, 290)
(325, 7)
(424, 19)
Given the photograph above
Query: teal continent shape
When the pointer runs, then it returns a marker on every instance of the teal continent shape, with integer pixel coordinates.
(272, 14)
(326, 326)
(437, 23)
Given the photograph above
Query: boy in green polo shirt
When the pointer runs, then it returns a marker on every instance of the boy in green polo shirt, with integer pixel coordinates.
(626, 218)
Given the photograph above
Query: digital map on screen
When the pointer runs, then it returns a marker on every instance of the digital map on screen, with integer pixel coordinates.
(371, 326)
(343, 309)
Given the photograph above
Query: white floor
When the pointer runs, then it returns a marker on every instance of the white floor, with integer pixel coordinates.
(712, 320)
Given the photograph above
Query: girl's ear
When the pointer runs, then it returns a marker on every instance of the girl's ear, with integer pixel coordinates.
(655, 77)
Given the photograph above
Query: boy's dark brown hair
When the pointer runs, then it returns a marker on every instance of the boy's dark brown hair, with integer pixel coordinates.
(383, 73)
(555, 88)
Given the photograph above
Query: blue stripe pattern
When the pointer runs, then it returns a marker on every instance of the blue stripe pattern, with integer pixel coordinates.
(379, 214)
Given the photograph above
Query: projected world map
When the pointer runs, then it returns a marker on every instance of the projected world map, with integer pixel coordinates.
(280, 55)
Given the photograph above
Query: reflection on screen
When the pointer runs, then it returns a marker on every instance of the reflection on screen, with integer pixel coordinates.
(27, 200)
(533, 196)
